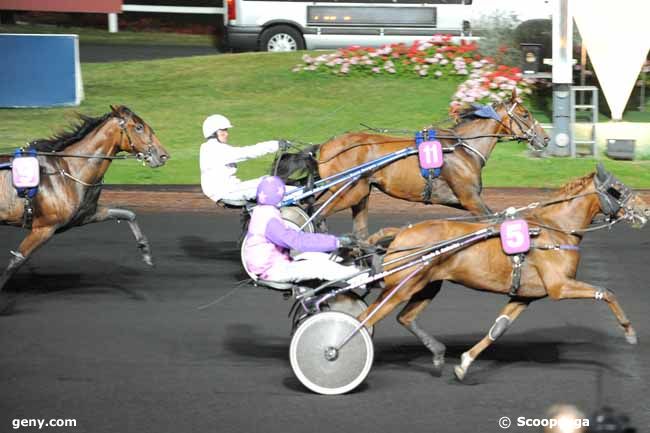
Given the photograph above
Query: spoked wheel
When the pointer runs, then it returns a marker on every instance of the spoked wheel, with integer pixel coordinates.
(349, 303)
(298, 217)
(319, 365)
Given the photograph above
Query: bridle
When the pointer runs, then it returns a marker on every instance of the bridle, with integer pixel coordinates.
(124, 131)
(614, 195)
(530, 132)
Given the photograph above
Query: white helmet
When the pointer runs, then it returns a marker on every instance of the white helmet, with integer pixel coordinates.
(214, 123)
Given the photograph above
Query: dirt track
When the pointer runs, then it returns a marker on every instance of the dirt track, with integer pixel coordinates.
(175, 198)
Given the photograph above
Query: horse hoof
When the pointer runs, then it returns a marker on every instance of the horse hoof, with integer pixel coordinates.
(459, 372)
(148, 260)
(438, 362)
(6, 304)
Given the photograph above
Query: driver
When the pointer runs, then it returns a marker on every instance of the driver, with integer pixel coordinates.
(218, 162)
(269, 241)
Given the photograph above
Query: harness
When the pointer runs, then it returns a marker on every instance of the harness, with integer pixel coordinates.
(429, 174)
(613, 195)
(25, 178)
(27, 193)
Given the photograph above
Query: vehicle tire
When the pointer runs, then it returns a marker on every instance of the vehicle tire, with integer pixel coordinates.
(319, 366)
(281, 39)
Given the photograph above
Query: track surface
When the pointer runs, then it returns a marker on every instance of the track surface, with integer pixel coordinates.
(101, 53)
(98, 336)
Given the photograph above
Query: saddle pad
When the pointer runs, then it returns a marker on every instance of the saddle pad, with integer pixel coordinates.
(25, 172)
(430, 154)
(515, 238)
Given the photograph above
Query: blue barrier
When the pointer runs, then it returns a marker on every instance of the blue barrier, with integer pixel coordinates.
(39, 70)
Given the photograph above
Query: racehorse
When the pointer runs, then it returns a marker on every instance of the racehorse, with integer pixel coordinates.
(459, 184)
(548, 269)
(72, 167)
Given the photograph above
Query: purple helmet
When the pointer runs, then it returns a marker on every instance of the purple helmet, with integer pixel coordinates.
(270, 191)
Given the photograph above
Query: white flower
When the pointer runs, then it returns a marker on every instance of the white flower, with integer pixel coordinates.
(438, 74)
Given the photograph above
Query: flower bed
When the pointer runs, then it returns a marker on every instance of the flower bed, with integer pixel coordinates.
(486, 81)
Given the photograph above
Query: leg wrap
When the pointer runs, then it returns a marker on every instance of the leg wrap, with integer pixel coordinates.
(435, 346)
(499, 328)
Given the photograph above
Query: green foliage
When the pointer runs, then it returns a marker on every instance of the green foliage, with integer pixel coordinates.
(498, 38)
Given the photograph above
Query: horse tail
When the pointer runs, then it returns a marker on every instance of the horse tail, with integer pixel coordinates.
(297, 169)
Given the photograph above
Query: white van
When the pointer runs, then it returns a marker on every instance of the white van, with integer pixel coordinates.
(288, 25)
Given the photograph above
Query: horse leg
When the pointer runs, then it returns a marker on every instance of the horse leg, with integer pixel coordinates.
(573, 289)
(471, 200)
(354, 197)
(402, 295)
(469, 196)
(360, 218)
(508, 315)
(104, 213)
(413, 308)
(35, 239)
(384, 233)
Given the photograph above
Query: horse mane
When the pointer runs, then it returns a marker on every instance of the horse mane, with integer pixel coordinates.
(576, 185)
(63, 139)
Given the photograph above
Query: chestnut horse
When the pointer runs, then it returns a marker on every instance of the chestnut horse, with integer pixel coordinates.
(549, 268)
(459, 184)
(72, 166)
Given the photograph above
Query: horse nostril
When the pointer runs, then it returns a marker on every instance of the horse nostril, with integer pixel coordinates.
(164, 158)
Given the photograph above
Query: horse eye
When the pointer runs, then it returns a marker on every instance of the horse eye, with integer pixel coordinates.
(526, 115)
(139, 128)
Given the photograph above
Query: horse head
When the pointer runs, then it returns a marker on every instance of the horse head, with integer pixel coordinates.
(138, 138)
(521, 123)
(617, 200)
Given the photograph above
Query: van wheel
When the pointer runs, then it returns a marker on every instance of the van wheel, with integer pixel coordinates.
(281, 38)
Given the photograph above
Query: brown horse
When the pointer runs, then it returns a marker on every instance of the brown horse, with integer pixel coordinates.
(549, 268)
(459, 184)
(71, 181)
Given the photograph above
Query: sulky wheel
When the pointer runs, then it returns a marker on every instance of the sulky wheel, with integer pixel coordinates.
(349, 303)
(297, 217)
(319, 365)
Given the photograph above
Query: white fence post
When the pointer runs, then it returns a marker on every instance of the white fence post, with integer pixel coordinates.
(112, 23)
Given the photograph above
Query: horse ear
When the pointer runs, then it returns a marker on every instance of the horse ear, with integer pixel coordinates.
(454, 113)
(601, 173)
(513, 97)
(114, 109)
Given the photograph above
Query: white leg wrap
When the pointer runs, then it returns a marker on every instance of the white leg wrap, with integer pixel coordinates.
(17, 255)
(466, 360)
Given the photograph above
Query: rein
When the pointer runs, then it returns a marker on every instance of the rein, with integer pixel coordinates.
(81, 155)
(496, 215)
